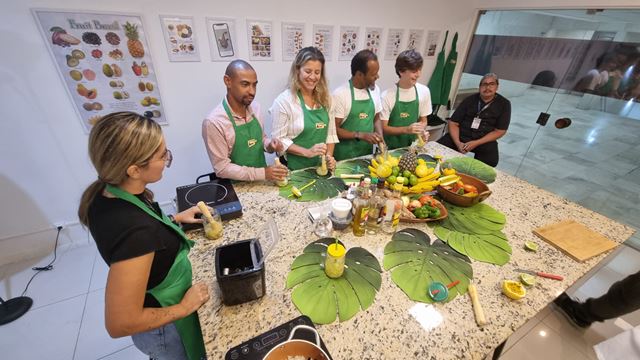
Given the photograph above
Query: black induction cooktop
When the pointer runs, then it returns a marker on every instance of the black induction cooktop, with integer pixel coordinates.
(259, 346)
(217, 193)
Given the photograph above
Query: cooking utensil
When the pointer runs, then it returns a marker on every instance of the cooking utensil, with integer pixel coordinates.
(541, 274)
(295, 190)
(477, 308)
(296, 347)
(448, 286)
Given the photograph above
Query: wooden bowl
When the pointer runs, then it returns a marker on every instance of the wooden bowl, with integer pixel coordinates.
(443, 214)
(459, 200)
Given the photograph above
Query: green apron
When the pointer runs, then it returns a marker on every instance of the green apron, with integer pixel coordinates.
(178, 280)
(316, 127)
(447, 73)
(360, 119)
(248, 149)
(437, 77)
(404, 113)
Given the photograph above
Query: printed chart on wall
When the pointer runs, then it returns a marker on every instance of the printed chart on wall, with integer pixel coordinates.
(432, 43)
(104, 61)
(292, 40)
(415, 39)
(394, 40)
(372, 39)
(180, 38)
(323, 40)
(349, 38)
(222, 39)
(260, 35)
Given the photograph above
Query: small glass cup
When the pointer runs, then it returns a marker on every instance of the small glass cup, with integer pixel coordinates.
(323, 227)
(212, 226)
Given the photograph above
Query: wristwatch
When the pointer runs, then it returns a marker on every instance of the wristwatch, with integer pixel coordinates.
(357, 136)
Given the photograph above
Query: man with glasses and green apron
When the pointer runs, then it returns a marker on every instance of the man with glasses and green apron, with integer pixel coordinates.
(406, 106)
(356, 109)
(234, 136)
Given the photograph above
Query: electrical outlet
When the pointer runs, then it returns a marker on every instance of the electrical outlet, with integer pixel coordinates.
(59, 224)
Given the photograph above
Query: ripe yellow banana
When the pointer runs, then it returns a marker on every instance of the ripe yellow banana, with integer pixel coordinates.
(430, 177)
(374, 163)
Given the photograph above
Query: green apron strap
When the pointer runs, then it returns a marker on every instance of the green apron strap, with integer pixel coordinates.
(404, 113)
(360, 119)
(248, 149)
(178, 280)
(316, 128)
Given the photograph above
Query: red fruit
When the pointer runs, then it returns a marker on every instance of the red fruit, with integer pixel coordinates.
(136, 69)
(91, 94)
(89, 74)
(96, 53)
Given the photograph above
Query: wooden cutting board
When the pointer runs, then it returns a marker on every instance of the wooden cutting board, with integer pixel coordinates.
(575, 239)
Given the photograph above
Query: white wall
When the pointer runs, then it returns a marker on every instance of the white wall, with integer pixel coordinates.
(43, 155)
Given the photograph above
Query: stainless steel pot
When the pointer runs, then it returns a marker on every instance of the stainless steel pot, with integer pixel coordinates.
(298, 347)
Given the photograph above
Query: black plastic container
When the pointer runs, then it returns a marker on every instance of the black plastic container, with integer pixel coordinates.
(239, 272)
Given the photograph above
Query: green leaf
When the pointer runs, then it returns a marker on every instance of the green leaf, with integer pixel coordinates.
(415, 263)
(473, 167)
(325, 187)
(357, 166)
(322, 298)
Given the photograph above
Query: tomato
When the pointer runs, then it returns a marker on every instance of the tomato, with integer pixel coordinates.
(470, 188)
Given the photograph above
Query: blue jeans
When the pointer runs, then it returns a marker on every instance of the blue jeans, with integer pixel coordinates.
(162, 343)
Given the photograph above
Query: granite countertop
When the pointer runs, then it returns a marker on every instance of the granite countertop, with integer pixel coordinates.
(395, 327)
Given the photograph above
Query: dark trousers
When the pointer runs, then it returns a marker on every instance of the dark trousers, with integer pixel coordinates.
(622, 298)
(487, 153)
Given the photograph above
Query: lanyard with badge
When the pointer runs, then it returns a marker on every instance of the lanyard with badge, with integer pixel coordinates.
(477, 120)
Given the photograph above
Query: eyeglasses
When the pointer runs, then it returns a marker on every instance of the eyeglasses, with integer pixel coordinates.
(492, 84)
(167, 157)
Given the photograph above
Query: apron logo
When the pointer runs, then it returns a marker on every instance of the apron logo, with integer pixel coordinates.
(251, 142)
(320, 125)
(363, 116)
(404, 115)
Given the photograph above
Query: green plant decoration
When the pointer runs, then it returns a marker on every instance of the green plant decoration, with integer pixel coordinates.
(321, 297)
(356, 166)
(325, 187)
(415, 263)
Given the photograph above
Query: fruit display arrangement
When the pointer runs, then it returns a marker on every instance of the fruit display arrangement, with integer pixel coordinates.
(409, 171)
(424, 207)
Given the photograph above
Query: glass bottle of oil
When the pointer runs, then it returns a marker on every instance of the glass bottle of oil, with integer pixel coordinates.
(361, 210)
(376, 207)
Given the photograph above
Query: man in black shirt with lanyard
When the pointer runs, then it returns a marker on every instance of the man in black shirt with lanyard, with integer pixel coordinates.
(479, 121)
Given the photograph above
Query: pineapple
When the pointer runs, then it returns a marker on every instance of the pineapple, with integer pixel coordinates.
(408, 161)
(133, 44)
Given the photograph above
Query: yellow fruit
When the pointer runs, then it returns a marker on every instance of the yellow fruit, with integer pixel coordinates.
(449, 171)
(448, 180)
(373, 171)
(430, 177)
(383, 170)
(295, 191)
(374, 163)
(513, 289)
(421, 161)
(423, 170)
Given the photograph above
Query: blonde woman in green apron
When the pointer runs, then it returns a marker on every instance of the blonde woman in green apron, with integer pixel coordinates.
(300, 114)
(405, 107)
(149, 294)
(356, 109)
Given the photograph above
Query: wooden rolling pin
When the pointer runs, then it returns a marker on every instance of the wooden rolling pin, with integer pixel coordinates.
(477, 308)
(205, 210)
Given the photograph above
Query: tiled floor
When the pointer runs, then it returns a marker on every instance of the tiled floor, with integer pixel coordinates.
(67, 318)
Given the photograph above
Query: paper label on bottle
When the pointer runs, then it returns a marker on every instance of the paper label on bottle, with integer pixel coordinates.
(364, 214)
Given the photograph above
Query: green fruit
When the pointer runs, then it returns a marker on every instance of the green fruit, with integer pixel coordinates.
(391, 179)
(395, 171)
(78, 54)
(406, 181)
(75, 75)
(531, 246)
(107, 70)
(527, 279)
(406, 173)
(413, 180)
(117, 95)
(149, 86)
(71, 61)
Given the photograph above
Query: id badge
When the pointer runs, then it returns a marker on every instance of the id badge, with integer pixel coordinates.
(476, 123)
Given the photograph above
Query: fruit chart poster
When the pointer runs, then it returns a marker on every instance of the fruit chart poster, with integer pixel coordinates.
(415, 39)
(394, 41)
(323, 40)
(349, 38)
(372, 39)
(260, 35)
(180, 38)
(292, 40)
(104, 62)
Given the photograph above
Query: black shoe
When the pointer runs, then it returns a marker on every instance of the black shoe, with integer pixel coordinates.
(569, 308)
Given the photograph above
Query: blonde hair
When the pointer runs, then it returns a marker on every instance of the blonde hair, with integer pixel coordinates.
(321, 93)
(117, 141)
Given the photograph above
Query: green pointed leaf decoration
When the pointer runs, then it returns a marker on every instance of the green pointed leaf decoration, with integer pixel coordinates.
(476, 231)
(356, 166)
(415, 263)
(325, 187)
(322, 298)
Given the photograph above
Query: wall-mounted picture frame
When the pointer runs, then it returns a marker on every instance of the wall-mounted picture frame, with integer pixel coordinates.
(292, 39)
(222, 38)
(180, 38)
(260, 36)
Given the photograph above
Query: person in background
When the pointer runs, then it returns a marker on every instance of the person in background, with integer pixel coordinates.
(479, 121)
(149, 294)
(356, 108)
(233, 134)
(301, 113)
(405, 107)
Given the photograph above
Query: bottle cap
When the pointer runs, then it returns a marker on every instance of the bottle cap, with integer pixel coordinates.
(336, 250)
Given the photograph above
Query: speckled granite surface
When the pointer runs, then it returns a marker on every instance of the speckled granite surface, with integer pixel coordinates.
(395, 327)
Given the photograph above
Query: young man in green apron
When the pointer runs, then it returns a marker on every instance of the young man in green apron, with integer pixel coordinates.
(405, 107)
(234, 136)
(356, 109)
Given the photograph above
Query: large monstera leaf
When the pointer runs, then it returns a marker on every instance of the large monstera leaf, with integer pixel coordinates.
(325, 187)
(321, 297)
(356, 166)
(415, 263)
(476, 231)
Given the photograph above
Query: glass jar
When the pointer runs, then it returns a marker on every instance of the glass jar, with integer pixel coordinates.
(212, 225)
(334, 263)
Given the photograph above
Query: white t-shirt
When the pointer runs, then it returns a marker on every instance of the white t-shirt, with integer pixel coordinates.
(389, 100)
(341, 100)
(288, 120)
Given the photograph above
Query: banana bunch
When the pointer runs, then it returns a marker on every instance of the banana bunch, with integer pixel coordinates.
(382, 166)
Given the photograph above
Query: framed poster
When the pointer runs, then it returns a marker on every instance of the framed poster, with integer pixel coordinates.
(260, 34)
(222, 39)
(432, 43)
(104, 62)
(323, 40)
(292, 40)
(415, 39)
(349, 39)
(394, 42)
(372, 39)
(180, 38)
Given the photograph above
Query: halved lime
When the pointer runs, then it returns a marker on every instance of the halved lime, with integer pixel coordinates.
(531, 246)
(527, 279)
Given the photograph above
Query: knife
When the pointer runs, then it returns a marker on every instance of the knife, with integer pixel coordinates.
(541, 274)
